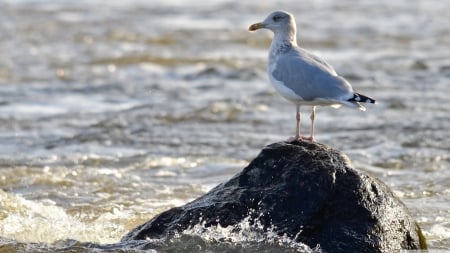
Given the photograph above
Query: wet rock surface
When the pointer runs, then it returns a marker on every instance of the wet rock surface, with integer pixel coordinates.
(307, 191)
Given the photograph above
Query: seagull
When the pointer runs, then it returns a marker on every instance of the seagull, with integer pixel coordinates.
(302, 77)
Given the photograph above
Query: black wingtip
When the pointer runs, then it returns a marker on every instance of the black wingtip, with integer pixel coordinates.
(362, 99)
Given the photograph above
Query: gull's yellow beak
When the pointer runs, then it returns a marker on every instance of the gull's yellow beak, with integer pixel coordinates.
(256, 26)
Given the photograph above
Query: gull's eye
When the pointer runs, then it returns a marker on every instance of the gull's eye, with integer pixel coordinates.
(276, 18)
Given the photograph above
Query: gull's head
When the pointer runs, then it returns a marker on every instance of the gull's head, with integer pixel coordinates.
(278, 21)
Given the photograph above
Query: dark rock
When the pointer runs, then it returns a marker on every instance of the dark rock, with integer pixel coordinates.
(307, 191)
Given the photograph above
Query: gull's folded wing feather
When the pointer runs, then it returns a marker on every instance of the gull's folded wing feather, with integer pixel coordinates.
(310, 77)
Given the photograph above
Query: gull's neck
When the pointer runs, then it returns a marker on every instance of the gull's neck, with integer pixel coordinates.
(282, 42)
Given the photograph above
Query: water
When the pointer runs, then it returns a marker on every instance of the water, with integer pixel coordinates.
(111, 113)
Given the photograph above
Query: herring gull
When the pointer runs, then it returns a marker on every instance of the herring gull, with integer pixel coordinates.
(302, 77)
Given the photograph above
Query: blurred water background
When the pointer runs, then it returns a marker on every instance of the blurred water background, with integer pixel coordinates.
(114, 111)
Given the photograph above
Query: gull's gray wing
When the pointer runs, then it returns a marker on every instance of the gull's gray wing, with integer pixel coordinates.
(310, 77)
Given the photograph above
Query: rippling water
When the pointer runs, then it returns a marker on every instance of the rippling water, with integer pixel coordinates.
(111, 113)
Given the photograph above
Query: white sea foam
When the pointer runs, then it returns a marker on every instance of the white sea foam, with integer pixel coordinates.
(33, 221)
(246, 232)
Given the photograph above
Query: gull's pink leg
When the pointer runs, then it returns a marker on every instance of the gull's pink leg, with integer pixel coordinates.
(297, 136)
(312, 117)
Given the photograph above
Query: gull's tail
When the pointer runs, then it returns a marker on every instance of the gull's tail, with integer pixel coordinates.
(359, 98)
